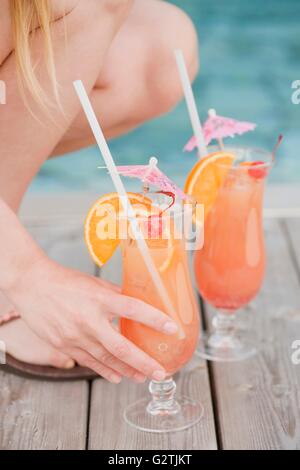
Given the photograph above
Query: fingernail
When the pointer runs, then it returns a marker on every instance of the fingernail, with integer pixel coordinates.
(170, 327)
(159, 375)
(139, 378)
(69, 364)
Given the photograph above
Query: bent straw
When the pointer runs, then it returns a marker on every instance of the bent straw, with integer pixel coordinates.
(142, 245)
(191, 103)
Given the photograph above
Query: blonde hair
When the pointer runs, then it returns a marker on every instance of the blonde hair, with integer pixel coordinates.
(28, 16)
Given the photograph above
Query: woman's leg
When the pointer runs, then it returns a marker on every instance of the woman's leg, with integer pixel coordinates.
(139, 79)
(27, 142)
(131, 75)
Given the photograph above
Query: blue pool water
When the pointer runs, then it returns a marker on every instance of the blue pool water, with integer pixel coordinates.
(250, 55)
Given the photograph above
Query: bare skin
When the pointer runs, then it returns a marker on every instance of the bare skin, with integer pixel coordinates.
(126, 91)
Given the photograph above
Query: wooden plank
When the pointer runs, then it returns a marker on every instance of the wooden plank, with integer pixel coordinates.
(258, 400)
(292, 226)
(109, 431)
(42, 415)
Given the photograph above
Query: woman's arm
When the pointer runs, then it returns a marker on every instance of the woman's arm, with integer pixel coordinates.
(71, 310)
(18, 251)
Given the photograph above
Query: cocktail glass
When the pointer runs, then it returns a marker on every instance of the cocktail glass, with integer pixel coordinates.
(163, 412)
(230, 267)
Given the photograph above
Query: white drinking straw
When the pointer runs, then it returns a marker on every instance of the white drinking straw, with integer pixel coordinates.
(142, 245)
(191, 103)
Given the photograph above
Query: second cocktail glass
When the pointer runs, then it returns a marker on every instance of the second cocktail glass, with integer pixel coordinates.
(164, 412)
(230, 267)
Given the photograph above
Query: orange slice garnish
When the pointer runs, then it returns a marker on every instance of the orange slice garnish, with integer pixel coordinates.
(102, 225)
(206, 178)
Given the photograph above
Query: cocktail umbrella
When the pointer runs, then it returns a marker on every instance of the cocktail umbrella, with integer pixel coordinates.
(151, 175)
(219, 127)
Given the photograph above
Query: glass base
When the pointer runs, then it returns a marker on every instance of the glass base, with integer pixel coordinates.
(183, 415)
(234, 349)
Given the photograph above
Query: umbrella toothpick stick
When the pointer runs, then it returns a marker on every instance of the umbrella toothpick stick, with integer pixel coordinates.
(221, 145)
(152, 165)
(212, 113)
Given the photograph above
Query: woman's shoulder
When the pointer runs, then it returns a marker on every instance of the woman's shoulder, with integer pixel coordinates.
(59, 9)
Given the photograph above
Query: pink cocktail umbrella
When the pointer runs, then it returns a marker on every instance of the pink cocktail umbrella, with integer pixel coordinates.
(219, 127)
(151, 175)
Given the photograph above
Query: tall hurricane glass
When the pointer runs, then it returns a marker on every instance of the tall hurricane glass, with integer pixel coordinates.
(230, 267)
(163, 411)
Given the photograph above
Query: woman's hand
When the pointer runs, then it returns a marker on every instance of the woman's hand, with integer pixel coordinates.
(74, 312)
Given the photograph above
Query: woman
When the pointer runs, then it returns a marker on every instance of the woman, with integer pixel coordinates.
(122, 50)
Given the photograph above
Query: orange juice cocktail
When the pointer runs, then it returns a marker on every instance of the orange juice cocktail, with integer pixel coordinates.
(165, 236)
(170, 259)
(230, 267)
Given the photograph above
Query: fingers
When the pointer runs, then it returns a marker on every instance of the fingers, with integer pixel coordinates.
(105, 357)
(137, 310)
(60, 360)
(128, 353)
(86, 360)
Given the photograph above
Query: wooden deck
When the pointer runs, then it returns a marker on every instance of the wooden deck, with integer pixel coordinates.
(249, 405)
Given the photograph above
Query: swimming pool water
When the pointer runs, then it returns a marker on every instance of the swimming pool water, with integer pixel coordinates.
(250, 55)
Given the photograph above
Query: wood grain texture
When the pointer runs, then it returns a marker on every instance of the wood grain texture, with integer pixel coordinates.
(292, 229)
(42, 415)
(109, 431)
(258, 401)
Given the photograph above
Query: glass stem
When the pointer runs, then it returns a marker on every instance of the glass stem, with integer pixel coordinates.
(163, 398)
(224, 334)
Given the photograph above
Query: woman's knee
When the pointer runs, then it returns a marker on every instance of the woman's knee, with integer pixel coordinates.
(178, 32)
(118, 6)
(97, 11)
(140, 71)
